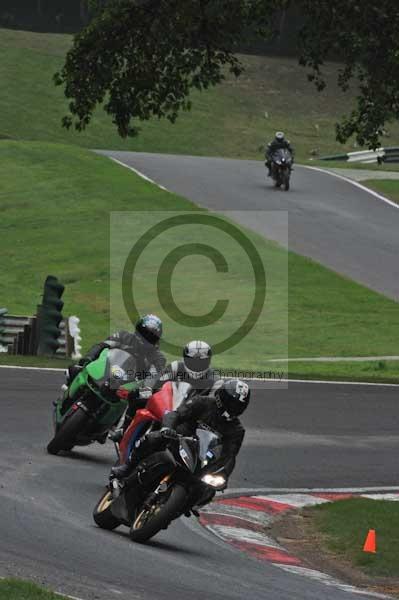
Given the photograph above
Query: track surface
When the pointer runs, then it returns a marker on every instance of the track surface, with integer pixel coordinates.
(307, 435)
(330, 220)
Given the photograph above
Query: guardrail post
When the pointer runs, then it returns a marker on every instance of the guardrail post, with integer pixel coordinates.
(3, 341)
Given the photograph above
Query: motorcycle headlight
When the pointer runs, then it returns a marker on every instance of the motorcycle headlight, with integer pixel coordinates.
(216, 481)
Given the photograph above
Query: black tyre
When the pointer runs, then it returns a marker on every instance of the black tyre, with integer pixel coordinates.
(65, 438)
(286, 179)
(149, 522)
(102, 514)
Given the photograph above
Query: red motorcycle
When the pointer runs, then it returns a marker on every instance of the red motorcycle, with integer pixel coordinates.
(147, 419)
(170, 482)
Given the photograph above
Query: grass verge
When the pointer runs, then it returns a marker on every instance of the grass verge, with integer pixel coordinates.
(13, 589)
(57, 200)
(344, 525)
(387, 187)
(367, 371)
(380, 371)
(34, 361)
(232, 120)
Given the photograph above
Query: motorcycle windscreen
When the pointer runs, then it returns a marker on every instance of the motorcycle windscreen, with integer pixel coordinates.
(210, 446)
(120, 367)
(282, 155)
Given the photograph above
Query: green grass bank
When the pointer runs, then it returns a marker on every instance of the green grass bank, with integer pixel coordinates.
(387, 187)
(57, 199)
(13, 589)
(344, 525)
(231, 120)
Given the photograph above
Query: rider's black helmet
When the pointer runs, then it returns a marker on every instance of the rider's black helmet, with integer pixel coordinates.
(150, 328)
(233, 397)
(197, 358)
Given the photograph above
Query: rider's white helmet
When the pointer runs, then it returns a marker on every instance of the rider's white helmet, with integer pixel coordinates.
(197, 358)
(280, 137)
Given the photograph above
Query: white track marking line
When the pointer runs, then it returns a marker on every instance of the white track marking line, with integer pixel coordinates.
(33, 368)
(390, 497)
(332, 359)
(318, 490)
(139, 173)
(327, 580)
(354, 183)
(267, 381)
(237, 512)
(294, 500)
(326, 382)
(231, 533)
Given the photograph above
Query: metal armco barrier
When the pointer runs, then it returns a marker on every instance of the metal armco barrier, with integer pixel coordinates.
(47, 333)
(391, 155)
(368, 156)
(20, 335)
(381, 155)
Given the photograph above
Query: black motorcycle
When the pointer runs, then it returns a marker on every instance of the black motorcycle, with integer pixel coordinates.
(281, 167)
(163, 486)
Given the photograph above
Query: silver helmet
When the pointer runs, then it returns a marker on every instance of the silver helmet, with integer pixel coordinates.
(197, 358)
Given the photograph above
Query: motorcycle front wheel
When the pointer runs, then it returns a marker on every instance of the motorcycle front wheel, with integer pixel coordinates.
(150, 520)
(65, 437)
(102, 514)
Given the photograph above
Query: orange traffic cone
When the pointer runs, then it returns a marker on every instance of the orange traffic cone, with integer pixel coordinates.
(370, 545)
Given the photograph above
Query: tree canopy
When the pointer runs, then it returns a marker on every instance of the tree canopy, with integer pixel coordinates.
(141, 58)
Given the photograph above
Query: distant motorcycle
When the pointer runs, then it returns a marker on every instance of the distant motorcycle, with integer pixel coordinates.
(166, 484)
(281, 167)
(94, 401)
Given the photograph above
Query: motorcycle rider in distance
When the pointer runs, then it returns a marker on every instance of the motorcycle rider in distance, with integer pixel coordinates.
(143, 344)
(278, 143)
(219, 412)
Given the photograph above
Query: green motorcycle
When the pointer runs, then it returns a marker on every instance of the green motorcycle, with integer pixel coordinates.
(94, 401)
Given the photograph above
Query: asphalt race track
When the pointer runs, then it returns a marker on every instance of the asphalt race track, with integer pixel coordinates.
(309, 435)
(306, 435)
(330, 220)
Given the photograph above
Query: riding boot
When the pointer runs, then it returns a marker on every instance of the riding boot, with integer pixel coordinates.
(117, 434)
(123, 471)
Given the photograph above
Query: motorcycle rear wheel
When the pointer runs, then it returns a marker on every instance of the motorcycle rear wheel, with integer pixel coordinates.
(146, 525)
(65, 436)
(102, 514)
